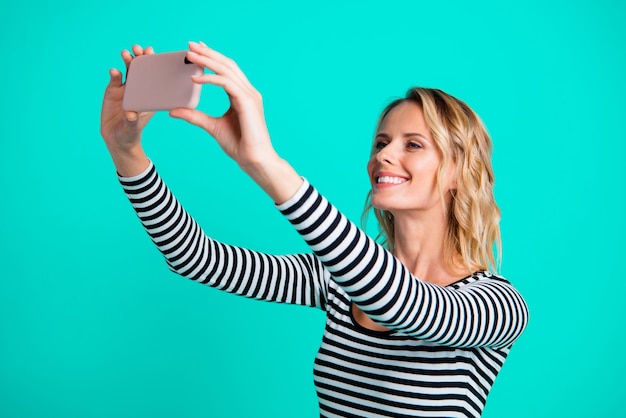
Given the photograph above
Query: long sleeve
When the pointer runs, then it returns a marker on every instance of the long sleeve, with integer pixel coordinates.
(296, 279)
(484, 313)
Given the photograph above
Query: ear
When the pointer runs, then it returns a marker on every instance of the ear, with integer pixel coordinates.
(452, 175)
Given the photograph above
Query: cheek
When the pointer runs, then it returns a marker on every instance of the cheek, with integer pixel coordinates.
(425, 173)
(425, 167)
(371, 166)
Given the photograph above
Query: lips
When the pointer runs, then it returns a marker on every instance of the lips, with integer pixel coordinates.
(384, 179)
(390, 180)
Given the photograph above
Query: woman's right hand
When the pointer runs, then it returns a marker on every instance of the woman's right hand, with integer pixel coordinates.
(121, 130)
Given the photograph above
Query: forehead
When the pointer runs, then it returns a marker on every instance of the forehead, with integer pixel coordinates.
(407, 116)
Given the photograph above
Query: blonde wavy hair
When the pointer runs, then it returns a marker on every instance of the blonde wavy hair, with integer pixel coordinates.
(473, 231)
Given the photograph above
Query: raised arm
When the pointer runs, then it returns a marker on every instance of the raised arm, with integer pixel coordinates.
(485, 311)
(122, 130)
(296, 279)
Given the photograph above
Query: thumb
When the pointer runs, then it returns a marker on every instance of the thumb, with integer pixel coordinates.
(131, 117)
(195, 117)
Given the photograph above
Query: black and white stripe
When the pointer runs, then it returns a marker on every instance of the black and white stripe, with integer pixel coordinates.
(490, 313)
(446, 344)
(188, 251)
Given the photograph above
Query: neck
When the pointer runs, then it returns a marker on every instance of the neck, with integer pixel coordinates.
(419, 243)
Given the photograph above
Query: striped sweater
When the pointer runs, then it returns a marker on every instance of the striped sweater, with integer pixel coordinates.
(445, 345)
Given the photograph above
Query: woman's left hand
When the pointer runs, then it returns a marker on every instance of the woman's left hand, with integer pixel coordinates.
(241, 131)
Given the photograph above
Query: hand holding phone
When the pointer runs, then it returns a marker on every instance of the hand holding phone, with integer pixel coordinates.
(161, 82)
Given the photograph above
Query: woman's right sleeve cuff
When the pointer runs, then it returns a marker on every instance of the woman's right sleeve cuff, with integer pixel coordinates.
(139, 178)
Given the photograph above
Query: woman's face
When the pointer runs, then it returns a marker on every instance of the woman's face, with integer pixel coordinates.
(404, 163)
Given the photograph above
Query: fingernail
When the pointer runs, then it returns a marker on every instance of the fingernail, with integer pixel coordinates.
(193, 43)
(202, 43)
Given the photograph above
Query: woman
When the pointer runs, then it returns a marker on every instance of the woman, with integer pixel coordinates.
(419, 328)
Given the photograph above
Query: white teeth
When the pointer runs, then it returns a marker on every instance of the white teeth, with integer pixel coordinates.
(389, 179)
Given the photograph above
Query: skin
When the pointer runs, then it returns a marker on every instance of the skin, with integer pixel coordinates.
(242, 133)
(404, 151)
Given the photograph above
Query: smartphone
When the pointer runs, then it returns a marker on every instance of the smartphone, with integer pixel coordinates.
(161, 82)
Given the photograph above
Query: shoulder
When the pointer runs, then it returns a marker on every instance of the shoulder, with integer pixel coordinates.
(481, 279)
(487, 289)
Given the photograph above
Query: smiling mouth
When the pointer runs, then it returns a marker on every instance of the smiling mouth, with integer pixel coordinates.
(390, 180)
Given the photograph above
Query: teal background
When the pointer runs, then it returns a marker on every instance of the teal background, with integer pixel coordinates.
(92, 323)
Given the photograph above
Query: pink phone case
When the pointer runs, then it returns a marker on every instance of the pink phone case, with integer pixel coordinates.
(161, 82)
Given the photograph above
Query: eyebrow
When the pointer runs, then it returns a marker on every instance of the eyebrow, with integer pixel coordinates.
(407, 135)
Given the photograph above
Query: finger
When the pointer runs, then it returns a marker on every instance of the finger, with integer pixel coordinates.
(194, 117)
(203, 50)
(137, 50)
(218, 68)
(127, 57)
(231, 88)
(148, 51)
(115, 77)
(237, 94)
(144, 117)
(208, 78)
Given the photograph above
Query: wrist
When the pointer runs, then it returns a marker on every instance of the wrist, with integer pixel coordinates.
(260, 164)
(275, 176)
(129, 161)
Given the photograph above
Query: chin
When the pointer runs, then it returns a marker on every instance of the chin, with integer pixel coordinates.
(376, 204)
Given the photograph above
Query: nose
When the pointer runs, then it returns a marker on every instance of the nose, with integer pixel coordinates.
(386, 155)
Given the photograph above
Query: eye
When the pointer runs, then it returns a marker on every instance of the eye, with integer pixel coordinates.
(379, 144)
(414, 145)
